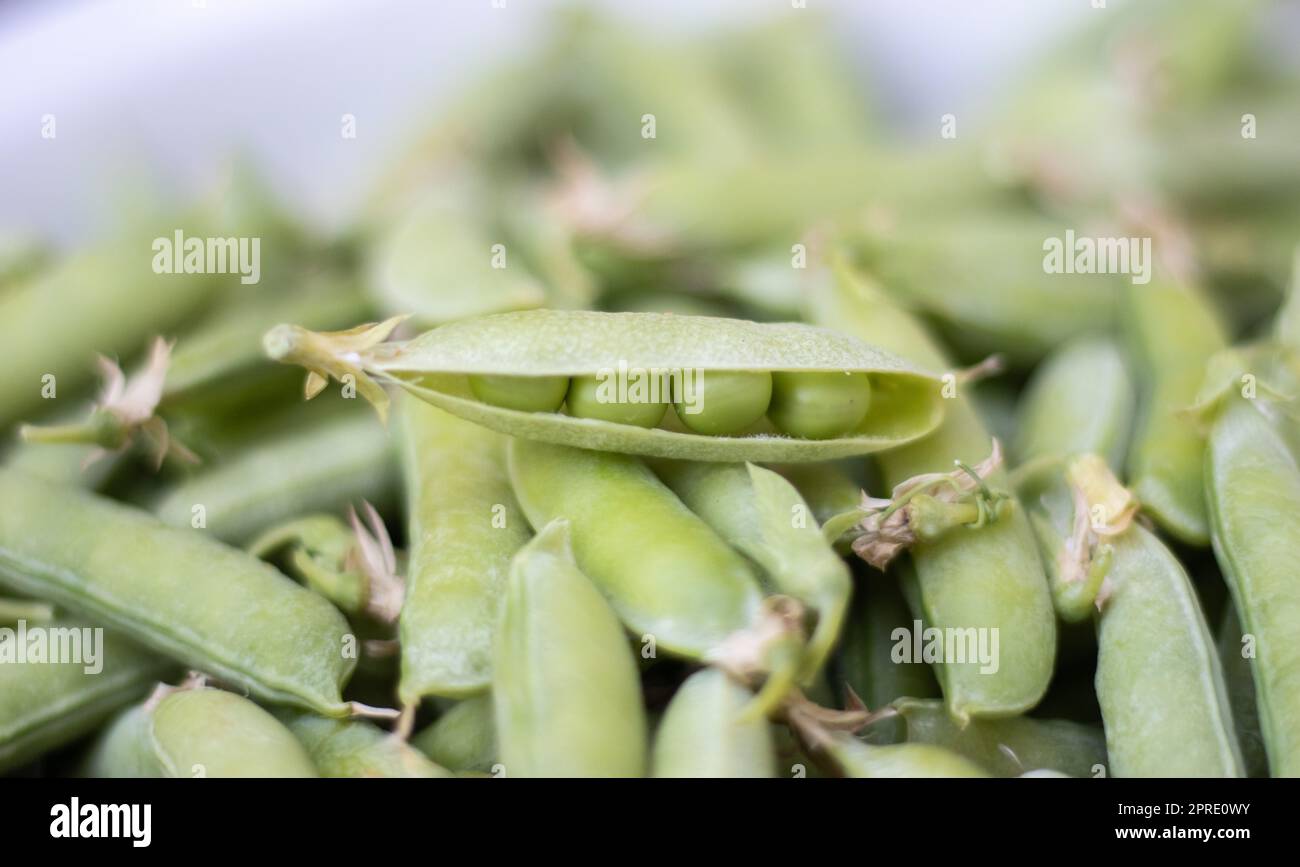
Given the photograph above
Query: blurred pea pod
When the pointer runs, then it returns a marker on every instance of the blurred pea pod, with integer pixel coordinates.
(13, 610)
(356, 748)
(464, 738)
(21, 257)
(761, 514)
(1173, 331)
(565, 685)
(464, 526)
(1240, 680)
(1009, 747)
(982, 277)
(702, 733)
(986, 579)
(46, 704)
(860, 760)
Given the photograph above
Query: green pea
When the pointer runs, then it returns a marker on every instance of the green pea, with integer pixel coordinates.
(586, 400)
(522, 393)
(702, 733)
(1008, 747)
(819, 406)
(356, 748)
(215, 608)
(565, 685)
(726, 402)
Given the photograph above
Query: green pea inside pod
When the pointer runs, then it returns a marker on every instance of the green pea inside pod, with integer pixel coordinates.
(601, 397)
(819, 405)
(725, 402)
(523, 393)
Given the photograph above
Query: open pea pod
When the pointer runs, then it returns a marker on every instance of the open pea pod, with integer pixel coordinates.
(535, 353)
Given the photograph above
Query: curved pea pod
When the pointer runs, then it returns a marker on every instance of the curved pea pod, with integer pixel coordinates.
(214, 608)
(1159, 682)
(323, 468)
(540, 346)
(464, 526)
(669, 577)
(702, 733)
(762, 515)
(1240, 681)
(356, 748)
(878, 620)
(199, 733)
(1080, 399)
(44, 705)
(565, 686)
(1009, 747)
(439, 263)
(990, 580)
(107, 299)
(1173, 332)
(463, 738)
(1253, 489)
(860, 760)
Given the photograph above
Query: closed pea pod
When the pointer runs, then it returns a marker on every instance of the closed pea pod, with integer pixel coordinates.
(667, 575)
(356, 748)
(702, 733)
(464, 526)
(1009, 747)
(45, 704)
(989, 579)
(565, 685)
(641, 352)
(1173, 332)
(762, 515)
(1240, 681)
(861, 760)
(214, 608)
(463, 738)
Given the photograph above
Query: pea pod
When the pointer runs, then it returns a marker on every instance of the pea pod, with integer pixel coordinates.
(1253, 489)
(1173, 333)
(44, 705)
(762, 515)
(199, 733)
(214, 608)
(14, 610)
(702, 733)
(464, 526)
(1008, 747)
(464, 738)
(1240, 680)
(989, 579)
(860, 760)
(324, 468)
(666, 574)
(535, 348)
(356, 748)
(565, 685)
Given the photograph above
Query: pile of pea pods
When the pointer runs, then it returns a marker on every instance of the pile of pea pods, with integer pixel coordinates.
(667, 415)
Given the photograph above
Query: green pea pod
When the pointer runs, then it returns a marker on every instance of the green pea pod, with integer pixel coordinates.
(214, 608)
(829, 490)
(1173, 332)
(463, 738)
(318, 548)
(1079, 400)
(702, 733)
(1253, 489)
(324, 468)
(1009, 747)
(565, 685)
(762, 515)
(669, 577)
(356, 748)
(1159, 681)
(1240, 680)
(860, 760)
(464, 527)
(991, 579)
(199, 733)
(539, 347)
(878, 621)
(44, 705)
